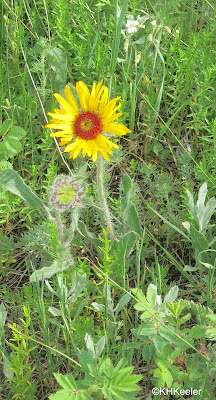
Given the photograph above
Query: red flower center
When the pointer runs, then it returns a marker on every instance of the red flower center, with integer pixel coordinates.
(87, 125)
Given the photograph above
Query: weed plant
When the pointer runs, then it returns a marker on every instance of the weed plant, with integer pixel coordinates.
(108, 269)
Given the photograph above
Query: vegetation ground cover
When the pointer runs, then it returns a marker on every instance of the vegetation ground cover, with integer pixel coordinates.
(85, 313)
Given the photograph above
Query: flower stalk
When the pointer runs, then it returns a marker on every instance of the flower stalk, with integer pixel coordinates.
(103, 198)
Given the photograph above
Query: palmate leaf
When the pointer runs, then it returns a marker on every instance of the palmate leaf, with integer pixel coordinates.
(10, 144)
(67, 382)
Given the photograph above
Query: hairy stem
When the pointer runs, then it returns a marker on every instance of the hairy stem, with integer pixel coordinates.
(103, 198)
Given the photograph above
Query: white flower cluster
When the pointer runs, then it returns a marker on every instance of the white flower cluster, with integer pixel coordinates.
(132, 25)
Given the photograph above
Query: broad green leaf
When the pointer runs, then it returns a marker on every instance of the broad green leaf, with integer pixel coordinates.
(7, 368)
(197, 332)
(67, 382)
(126, 184)
(87, 361)
(11, 135)
(202, 196)
(5, 127)
(100, 346)
(184, 319)
(122, 302)
(147, 329)
(15, 184)
(131, 219)
(147, 352)
(13, 146)
(168, 378)
(16, 133)
(89, 343)
(194, 374)
(171, 295)
(3, 315)
(122, 375)
(58, 61)
(169, 334)
(159, 342)
(139, 294)
(47, 272)
(190, 201)
(54, 311)
(62, 395)
(85, 396)
(151, 295)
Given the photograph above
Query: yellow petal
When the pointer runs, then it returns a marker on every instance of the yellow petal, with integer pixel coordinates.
(94, 155)
(109, 118)
(95, 96)
(118, 129)
(97, 89)
(104, 154)
(61, 126)
(92, 99)
(84, 94)
(102, 144)
(103, 102)
(61, 134)
(65, 140)
(109, 107)
(62, 117)
(63, 103)
(71, 100)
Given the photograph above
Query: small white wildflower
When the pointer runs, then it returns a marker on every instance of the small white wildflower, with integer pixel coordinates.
(150, 37)
(154, 23)
(132, 25)
(177, 31)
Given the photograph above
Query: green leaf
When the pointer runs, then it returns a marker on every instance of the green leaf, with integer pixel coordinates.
(13, 146)
(62, 395)
(3, 315)
(10, 144)
(47, 272)
(5, 127)
(184, 319)
(123, 374)
(85, 396)
(197, 332)
(86, 360)
(167, 376)
(16, 133)
(171, 295)
(7, 368)
(148, 351)
(151, 295)
(67, 382)
(15, 184)
(122, 302)
(130, 383)
(131, 219)
(147, 329)
(58, 61)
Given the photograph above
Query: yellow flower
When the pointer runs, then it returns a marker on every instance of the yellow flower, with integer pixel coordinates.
(82, 127)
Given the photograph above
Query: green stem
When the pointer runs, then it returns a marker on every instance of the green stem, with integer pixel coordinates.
(103, 198)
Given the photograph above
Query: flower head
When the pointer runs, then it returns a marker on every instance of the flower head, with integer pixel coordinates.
(132, 25)
(82, 127)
